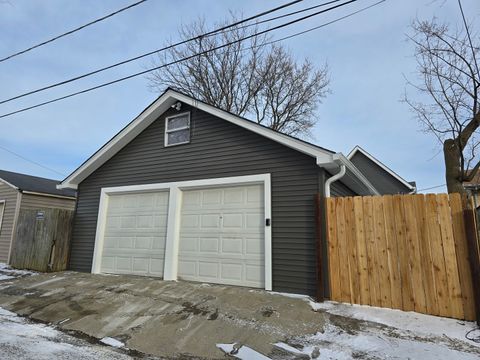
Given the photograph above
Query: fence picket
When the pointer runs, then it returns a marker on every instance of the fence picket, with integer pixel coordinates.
(361, 251)
(345, 294)
(412, 236)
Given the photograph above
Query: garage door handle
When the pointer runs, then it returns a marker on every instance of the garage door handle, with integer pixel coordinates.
(267, 222)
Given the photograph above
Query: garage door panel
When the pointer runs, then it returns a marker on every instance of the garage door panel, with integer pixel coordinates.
(222, 236)
(135, 233)
(209, 221)
(209, 245)
(232, 246)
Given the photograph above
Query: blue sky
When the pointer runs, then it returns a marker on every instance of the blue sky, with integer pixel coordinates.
(367, 54)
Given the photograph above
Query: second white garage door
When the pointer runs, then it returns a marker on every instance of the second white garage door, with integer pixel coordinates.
(222, 236)
(135, 234)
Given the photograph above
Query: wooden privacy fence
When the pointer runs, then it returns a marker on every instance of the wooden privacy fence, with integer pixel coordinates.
(42, 239)
(405, 252)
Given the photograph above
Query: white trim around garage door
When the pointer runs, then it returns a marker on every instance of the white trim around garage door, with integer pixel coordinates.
(173, 222)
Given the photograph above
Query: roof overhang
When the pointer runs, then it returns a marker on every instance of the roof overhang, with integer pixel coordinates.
(353, 177)
(324, 158)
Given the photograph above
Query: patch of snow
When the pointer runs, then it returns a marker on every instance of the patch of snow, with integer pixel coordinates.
(402, 320)
(289, 348)
(4, 312)
(9, 271)
(290, 295)
(112, 342)
(5, 277)
(334, 343)
(21, 339)
(244, 352)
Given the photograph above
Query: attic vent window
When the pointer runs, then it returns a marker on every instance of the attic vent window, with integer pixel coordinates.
(177, 129)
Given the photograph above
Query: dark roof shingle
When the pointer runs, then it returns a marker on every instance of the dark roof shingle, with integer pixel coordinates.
(35, 184)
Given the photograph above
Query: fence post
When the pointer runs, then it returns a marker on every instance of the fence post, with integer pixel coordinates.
(473, 255)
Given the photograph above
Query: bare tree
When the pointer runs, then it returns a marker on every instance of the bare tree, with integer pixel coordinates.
(449, 82)
(251, 78)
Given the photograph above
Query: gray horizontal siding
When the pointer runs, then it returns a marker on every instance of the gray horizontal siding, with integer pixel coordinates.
(339, 189)
(384, 182)
(217, 149)
(9, 195)
(30, 201)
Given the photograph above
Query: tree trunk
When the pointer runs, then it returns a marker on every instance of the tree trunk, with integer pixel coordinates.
(453, 168)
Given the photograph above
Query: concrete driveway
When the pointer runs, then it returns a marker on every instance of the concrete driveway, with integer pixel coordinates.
(172, 319)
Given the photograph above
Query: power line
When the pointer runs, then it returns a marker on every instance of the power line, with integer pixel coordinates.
(175, 61)
(72, 31)
(325, 24)
(210, 33)
(430, 188)
(31, 161)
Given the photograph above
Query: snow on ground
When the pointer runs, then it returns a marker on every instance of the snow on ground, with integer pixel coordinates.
(7, 272)
(243, 352)
(403, 320)
(355, 331)
(112, 342)
(21, 339)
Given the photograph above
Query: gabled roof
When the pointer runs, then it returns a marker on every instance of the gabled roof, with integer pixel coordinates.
(325, 158)
(35, 184)
(358, 149)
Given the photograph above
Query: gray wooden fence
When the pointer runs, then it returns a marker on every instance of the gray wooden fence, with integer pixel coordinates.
(42, 239)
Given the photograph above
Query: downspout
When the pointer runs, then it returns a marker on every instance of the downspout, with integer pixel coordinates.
(334, 178)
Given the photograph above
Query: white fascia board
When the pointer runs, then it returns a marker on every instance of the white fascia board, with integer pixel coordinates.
(140, 123)
(149, 115)
(382, 165)
(286, 140)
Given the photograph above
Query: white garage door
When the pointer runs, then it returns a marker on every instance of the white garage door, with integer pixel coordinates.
(135, 233)
(222, 236)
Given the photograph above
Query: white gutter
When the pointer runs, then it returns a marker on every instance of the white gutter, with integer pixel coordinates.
(338, 160)
(337, 176)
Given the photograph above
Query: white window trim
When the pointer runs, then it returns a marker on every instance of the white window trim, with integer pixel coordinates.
(181, 128)
(173, 223)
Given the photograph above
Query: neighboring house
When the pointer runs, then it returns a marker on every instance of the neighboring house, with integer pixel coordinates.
(381, 177)
(473, 187)
(189, 191)
(19, 191)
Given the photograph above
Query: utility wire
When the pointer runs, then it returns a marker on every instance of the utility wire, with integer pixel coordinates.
(202, 36)
(433, 187)
(72, 31)
(324, 24)
(175, 61)
(31, 161)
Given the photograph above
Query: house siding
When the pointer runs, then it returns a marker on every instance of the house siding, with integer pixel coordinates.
(380, 179)
(217, 149)
(339, 189)
(31, 201)
(9, 195)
